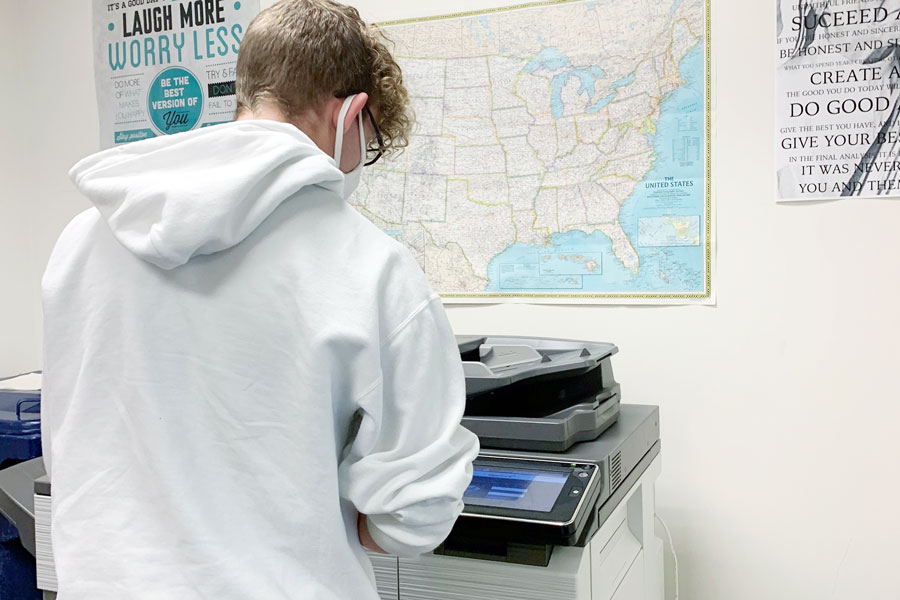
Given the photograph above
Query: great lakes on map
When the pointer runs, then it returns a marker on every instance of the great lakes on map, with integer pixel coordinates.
(560, 153)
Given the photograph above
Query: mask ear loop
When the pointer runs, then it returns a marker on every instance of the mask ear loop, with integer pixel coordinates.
(362, 141)
(339, 137)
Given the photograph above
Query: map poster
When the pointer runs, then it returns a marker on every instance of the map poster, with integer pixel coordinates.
(561, 153)
(165, 66)
(838, 98)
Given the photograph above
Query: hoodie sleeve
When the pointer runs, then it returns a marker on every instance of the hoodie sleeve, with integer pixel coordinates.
(411, 459)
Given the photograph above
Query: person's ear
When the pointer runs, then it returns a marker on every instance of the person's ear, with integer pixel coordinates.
(356, 105)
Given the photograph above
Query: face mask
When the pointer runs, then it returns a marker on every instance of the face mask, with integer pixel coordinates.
(351, 179)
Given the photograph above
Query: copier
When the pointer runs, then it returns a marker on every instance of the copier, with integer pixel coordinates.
(561, 503)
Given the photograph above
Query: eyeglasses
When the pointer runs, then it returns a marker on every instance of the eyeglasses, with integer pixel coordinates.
(373, 154)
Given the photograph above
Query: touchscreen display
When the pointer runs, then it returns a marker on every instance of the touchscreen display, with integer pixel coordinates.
(521, 489)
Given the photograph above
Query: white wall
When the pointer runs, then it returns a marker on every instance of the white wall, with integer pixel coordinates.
(48, 120)
(17, 315)
(780, 406)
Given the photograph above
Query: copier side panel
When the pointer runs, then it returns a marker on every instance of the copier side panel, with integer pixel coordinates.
(626, 554)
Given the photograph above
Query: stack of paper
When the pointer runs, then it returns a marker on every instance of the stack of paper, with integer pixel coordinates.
(448, 578)
(385, 567)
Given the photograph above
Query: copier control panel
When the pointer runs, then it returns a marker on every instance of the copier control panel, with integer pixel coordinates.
(528, 490)
(529, 499)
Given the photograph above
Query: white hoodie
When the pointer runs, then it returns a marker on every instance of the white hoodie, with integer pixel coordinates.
(236, 362)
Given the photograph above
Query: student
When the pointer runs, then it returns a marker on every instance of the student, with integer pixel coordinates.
(245, 381)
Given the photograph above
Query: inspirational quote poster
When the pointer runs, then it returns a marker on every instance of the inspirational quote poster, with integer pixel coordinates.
(166, 66)
(838, 72)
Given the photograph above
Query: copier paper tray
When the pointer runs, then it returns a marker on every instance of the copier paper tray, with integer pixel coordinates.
(537, 393)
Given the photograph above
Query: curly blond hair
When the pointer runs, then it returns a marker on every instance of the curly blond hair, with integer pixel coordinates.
(298, 53)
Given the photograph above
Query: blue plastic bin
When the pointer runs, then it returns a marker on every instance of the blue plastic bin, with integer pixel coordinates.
(20, 439)
(20, 426)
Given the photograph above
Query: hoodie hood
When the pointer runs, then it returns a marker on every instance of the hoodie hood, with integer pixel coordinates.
(173, 197)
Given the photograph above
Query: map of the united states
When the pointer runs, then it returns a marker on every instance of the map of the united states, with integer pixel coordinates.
(544, 161)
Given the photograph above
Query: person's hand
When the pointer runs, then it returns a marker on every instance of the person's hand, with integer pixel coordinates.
(365, 539)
